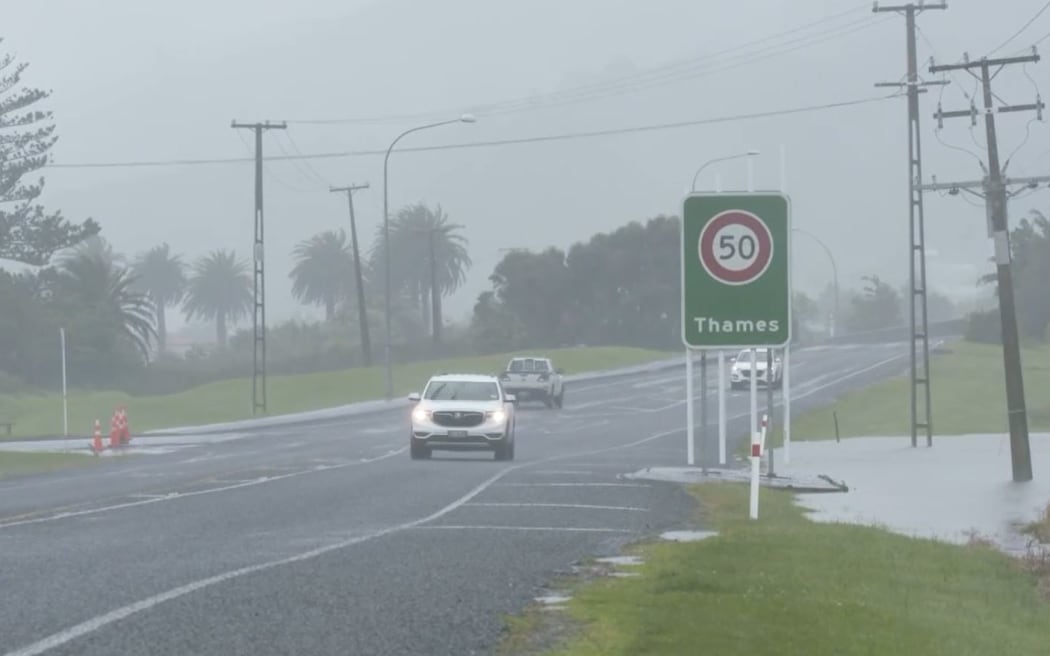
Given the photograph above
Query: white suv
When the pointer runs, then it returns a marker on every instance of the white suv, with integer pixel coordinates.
(534, 378)
(463, 412)
(740, 372)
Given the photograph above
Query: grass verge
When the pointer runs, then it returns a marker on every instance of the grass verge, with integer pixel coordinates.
(13, 463)
(967, 396)
(230, 400)
(785, 585)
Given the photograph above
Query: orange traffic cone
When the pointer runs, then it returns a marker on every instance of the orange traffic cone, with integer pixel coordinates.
(122, 424)
(114, 431)
(96, 442)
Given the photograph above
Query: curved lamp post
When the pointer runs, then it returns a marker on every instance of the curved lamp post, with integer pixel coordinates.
(750, 153)
(465, 118)
(834, 273)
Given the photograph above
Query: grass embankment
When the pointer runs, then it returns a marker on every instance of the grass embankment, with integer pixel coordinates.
(968, 396)
(230, 400)
(13, 463)
(785, 585)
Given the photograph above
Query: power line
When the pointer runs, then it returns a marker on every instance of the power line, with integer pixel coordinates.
(564, 136)
(1020, 31)
(667, 73)
(671, 78)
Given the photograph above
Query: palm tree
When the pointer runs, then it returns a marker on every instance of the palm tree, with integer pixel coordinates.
(429, 258)
(95, 246)
(323, 272)
(108, 290)
(162, 277)
(220, 291)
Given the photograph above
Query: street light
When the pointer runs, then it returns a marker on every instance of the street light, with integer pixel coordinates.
(465, 118)
(750, 153)
(834, 272)
(721, 354)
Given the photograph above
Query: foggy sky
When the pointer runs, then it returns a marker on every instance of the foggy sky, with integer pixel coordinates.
(150, 81)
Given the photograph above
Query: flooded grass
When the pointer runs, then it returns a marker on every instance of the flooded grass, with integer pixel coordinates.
(785, 585)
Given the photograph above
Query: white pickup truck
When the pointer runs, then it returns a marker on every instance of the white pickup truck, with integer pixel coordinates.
(534, 378)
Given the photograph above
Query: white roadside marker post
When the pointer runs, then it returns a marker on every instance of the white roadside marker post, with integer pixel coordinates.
(757, 442)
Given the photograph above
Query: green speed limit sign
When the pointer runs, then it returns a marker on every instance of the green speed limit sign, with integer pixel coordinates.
(735, 274)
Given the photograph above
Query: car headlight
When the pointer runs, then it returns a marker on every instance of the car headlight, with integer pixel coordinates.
(497, 415)
(421, 414)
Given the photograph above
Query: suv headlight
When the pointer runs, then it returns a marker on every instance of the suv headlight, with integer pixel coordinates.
(497, 416)
(421, 414)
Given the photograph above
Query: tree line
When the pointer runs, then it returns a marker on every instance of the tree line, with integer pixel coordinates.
(1030, 268)
(617, 288)
(624, 288)
(114, 309)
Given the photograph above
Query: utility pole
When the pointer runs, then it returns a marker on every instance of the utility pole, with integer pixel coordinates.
(995, 193)
(259, 279)
(362, 313)
(921, 414)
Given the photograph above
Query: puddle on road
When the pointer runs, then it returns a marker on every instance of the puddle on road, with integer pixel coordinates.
(621, 560)
(687, 536)
(553, 599)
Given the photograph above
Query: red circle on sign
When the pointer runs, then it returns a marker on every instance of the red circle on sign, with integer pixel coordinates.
(763, 250)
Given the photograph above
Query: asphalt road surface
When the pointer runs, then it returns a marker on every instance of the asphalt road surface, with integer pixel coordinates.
(328, 539)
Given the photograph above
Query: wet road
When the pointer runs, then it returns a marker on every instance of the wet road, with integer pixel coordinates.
(328, 539)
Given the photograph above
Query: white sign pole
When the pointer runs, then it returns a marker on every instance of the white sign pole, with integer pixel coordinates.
(754, 391)
(689, 419)
(754, 353)
(756, 469)
(786, 388)
(721, 408)
(721, 381)
(65, 393)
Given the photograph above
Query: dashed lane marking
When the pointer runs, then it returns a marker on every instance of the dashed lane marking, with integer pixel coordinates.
(572, 485)
(580, 506)
(551, 529)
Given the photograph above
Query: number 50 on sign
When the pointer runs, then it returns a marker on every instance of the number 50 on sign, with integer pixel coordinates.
(735, 270)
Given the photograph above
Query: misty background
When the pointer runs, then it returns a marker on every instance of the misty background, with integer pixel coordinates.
(146, 82)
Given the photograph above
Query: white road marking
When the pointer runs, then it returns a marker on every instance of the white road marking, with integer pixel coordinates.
(583, 406)
(567, 529)
(565, 472)
(101, 621)
(656, 382)
(572, 485)
(183, 495)
(581, 506)
(96, 623)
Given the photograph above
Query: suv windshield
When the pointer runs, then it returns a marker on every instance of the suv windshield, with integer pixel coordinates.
(745, 356)
(528, 365)
(458, 390)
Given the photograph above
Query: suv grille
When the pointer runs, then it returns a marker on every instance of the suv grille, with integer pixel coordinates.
(458, 419)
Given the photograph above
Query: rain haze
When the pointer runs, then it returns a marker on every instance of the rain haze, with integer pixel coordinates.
(140, 81)
(638, 345)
